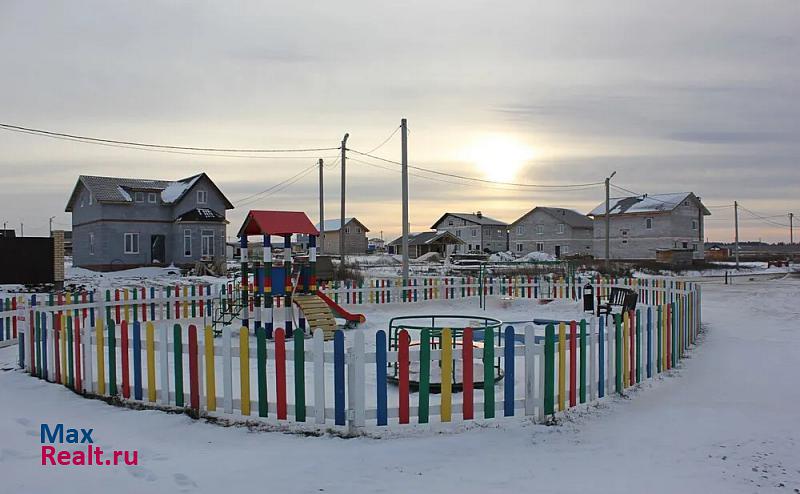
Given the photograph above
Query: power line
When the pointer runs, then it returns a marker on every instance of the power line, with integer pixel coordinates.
(80, 138)
(384, 141)
(474, 179)
(246, 199)
(764, 219)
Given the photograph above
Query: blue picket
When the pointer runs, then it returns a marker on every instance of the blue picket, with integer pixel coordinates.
(137, 360)
(338, 377)
(380, 372)
(508, 380)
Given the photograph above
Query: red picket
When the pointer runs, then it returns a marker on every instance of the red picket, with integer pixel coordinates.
(402, 357)
(467, 399)
(76, 326)
(280, 371)
(194, 379)
(573, 359)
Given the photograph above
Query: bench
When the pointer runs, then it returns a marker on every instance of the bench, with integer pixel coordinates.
(624, 298)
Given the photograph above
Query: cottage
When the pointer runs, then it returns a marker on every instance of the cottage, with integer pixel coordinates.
(478, 232)
(355, 236)
(120, 223)
(422, 243)
(556, 231)
(640, 226)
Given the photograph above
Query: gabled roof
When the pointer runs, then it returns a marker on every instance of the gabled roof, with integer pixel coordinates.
(276, 223)
(472, 218)
(425, 238)
(570, 217)
(335, 225)
(115, 190)
(654, 203)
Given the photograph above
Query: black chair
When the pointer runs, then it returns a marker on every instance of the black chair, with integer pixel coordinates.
(623, 298)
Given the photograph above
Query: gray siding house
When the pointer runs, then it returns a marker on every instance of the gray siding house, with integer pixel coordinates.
(355, 236)
(478, 232)
(556, 231)
(641, 226)
(121, 223)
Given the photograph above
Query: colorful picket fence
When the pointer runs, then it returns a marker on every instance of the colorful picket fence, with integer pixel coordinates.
(179, 363)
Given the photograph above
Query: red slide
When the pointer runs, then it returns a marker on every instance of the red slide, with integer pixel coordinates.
(339, 311)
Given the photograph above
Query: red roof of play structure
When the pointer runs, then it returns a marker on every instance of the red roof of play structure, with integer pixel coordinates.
(277, 223)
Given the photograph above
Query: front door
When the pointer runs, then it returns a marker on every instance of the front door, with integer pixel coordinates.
(157, 249)
(558, 251)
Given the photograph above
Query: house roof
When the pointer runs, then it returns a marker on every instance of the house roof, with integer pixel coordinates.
(335, 225)
(425, 238)
(201, 214)
(653, 203)
(472, 218)
(568, 216)
(115, 189)
(276, 223)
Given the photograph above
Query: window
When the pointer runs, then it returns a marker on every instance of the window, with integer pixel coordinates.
(564, 249)
(91, 199)
(624, 233)
(686, 245)
(458, 233)
(539, 247)
(450, 223)
(561, 227)
(694, 224)
(91, 244)
(187, 243)
(358, 229)
(347, 229)
(694, 247)
(151, 198)
(519, 247)
(131, 243)
(520, 230)
(540, 229)
(474, 232)
(139, 196)
(207, 243)
(648, 223)
(202, 197)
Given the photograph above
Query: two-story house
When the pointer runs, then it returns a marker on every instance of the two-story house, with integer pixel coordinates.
(556, 231)
(121, 223)
(355, 236)
(640, 226)
(478, 232)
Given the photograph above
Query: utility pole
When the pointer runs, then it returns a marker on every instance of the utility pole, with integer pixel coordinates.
(321, 242)
(404, 160)
(21, 229)
(608, 218)
(51, 225)
(736, 233)
(341, 213)
(791, 229)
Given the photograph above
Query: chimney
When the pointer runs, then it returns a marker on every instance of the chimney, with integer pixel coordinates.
(479, 214)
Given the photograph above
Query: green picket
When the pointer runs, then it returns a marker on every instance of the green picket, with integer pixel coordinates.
(549, 369)
(261, 353)
(488, 373)
(299, 377)
(178, 359)
(424, 375)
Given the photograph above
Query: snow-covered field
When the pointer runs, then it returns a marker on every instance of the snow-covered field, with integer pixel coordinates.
(726, 420)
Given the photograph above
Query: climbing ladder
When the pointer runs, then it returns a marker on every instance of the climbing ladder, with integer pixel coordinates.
(317, 313)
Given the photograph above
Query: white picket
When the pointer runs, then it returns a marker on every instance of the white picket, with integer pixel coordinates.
(358, 362)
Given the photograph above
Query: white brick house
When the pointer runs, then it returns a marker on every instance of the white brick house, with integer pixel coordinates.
(640, 226)
(556, 231)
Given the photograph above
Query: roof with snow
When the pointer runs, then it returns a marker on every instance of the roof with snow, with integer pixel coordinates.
(568, 216)
(335, 225)
(276, 223)
(201, 214)
(117, 190)
(425, 238)
(655, 203)
(477, 219)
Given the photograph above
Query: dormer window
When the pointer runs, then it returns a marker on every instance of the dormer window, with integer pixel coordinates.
(202, 197)
(139, 196)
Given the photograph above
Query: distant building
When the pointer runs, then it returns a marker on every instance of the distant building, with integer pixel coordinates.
(556, 231)
(376, 245)
(355, 236)
(717, 252)
(640, 226)
(478, 232)
(422, 243)
(8, 234)
(120, 223)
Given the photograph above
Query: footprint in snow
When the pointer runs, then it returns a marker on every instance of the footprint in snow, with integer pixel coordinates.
(142, 473)
(184, 481)
(23, 421)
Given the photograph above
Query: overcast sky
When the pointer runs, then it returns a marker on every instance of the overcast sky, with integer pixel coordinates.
(675, 96)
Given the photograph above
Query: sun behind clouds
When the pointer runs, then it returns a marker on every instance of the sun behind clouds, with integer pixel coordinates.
(499, 157)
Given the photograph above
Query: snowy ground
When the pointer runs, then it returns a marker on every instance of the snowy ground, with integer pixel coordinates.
(725, 421)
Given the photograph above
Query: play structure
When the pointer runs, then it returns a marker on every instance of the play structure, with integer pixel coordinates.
(280, 283)
(437, 332)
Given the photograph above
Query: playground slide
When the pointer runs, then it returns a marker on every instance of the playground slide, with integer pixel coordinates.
(339, 311)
